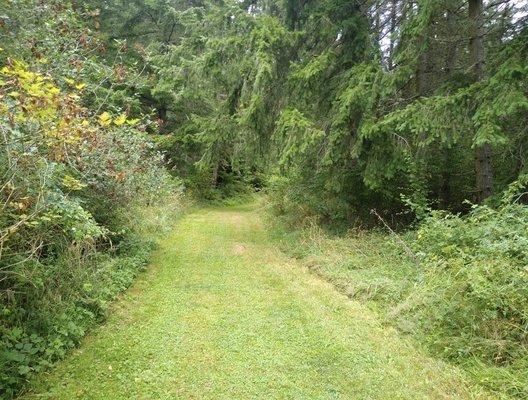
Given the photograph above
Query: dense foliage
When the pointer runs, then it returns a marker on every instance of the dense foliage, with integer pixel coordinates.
(457, 284)
(343, 107)
(368, 104)
(480, 264)
(348, 113)
(75, 165)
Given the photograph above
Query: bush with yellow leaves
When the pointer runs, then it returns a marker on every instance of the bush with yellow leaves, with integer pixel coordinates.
(67, 176)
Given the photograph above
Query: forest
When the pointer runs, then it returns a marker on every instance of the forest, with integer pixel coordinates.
(384, 144)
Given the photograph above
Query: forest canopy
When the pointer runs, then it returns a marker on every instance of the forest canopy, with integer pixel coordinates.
(398, 105)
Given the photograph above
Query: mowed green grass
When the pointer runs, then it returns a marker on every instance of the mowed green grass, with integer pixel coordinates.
(223, 314)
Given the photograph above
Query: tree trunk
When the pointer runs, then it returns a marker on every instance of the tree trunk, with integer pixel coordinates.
(483, 154)
(162, 115)
(476, 40)
(484, 172)
(450, 64)
(377, 30)
(392, 31)
(452, 47)
(214, 177)
(422, 83)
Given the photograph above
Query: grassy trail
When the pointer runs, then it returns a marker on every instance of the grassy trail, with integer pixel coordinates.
(223, 314)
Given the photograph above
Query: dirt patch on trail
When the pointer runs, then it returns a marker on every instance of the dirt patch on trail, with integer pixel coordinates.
(239, 249)
(238, 220)
(233, 218)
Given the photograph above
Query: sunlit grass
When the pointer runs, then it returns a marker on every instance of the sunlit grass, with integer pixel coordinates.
(224, 314)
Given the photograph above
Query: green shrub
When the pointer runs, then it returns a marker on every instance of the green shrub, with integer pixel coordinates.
(82, 187)
(465, 296)
(72, 296)
(301, 205)
(473, 302)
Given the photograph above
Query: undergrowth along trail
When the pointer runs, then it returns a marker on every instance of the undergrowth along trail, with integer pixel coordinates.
(223, 314)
